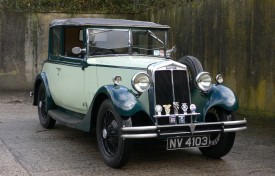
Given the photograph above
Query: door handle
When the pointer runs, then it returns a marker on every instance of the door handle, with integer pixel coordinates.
(58, 69)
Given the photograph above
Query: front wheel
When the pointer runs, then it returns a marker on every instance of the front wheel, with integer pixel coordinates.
(220, 143)
(114, 150)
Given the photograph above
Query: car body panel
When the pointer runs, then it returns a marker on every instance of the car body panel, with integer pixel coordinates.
(219, 95)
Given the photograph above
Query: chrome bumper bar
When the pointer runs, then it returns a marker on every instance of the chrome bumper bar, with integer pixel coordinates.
(165, 131)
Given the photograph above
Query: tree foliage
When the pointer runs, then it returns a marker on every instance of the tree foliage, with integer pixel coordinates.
(88, 6)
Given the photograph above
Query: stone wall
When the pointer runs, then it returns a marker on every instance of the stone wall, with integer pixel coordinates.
(24, 46)
(232, 37)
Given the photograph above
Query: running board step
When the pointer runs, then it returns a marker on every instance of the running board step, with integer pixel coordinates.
(64, 118)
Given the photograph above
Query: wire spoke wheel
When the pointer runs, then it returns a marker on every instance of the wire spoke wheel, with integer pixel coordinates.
(110, 133)
(114, 150)
(45, 120)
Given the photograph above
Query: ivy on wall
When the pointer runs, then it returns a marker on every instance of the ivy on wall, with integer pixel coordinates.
(88, 6)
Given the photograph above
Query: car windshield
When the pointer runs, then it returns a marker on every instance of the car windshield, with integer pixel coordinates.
(117, 41)
(149, 42)
(107, 41)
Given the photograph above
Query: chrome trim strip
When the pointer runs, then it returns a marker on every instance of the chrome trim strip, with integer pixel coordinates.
(173, 87)
(239, 122)
(207, 131)
(157, 116)
(167, 134)
(136, 136)
(235, 129)
(139, 128)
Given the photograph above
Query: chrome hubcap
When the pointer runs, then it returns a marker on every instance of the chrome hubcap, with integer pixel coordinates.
(104, 133)
(40, 104)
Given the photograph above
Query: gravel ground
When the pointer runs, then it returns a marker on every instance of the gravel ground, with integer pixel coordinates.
(28, 149)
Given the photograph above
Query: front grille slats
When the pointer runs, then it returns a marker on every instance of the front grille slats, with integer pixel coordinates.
(168, 91)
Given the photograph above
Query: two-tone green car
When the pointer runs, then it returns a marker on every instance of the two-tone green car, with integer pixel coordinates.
(116, 76)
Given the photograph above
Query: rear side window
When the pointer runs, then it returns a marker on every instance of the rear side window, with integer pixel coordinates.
(56, 42)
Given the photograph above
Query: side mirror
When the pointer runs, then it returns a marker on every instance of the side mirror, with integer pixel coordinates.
(170, 51)
(78, 50)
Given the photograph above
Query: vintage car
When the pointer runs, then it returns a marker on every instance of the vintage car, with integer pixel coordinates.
(117, 77)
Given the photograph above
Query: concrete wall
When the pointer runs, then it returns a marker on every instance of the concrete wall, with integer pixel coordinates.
(232, 37)
(24, 46)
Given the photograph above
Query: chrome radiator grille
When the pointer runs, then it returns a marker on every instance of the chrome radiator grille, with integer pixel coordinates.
(171, 86)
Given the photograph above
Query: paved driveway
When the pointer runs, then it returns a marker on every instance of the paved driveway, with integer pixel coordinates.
(28, 149)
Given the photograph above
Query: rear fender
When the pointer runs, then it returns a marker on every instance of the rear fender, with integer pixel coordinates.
(42, 78)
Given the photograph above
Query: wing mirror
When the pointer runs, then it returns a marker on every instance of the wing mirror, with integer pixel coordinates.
(78, 50)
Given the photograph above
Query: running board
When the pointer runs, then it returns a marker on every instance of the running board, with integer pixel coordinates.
(64, 118)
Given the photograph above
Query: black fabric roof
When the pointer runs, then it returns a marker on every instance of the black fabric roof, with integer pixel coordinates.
(106, 22)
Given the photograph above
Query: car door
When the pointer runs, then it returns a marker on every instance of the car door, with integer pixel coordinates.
(68, 75)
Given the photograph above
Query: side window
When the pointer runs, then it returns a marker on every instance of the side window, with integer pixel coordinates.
(73, 37)
(56, 41)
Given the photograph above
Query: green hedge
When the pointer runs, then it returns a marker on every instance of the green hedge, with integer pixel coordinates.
(88, 6)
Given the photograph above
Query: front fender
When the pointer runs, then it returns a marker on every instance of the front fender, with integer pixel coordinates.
(124, 101)
(42, 78)
(219, 95)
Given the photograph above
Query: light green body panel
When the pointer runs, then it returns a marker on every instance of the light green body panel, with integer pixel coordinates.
(73, 88)
(124, 66)
(67, 85)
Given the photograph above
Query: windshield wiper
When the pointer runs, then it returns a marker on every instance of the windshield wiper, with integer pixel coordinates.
(154, 36)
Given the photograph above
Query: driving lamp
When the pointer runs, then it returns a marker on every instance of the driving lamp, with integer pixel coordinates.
(117, 80)
(219, 78)
(141, 82)
(204, 81)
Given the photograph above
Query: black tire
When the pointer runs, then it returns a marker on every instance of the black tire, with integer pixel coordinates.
(45, 120)
(194, 68)
(114, 150)
(221, 143)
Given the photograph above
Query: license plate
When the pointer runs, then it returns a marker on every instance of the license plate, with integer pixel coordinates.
(185, 142)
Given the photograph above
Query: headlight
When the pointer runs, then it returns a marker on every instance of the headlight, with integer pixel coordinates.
(204, 81)
(141, 82)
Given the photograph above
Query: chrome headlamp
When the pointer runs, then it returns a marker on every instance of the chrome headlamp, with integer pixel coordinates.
(204, 81)
(141, 82)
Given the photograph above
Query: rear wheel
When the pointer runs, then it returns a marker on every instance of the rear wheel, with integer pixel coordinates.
(45, 120)
(221, 143)
(114, 150)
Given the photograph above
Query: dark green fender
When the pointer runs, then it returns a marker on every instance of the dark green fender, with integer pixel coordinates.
(219, 95)
(124, 101)
(42, 78)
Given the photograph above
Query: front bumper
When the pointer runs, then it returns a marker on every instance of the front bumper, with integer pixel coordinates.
(188, 129)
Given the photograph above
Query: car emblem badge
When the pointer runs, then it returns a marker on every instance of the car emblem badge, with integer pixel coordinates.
(176, 107)
(167, 109)
(192, 127)
(172, 119)
(181, 119)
